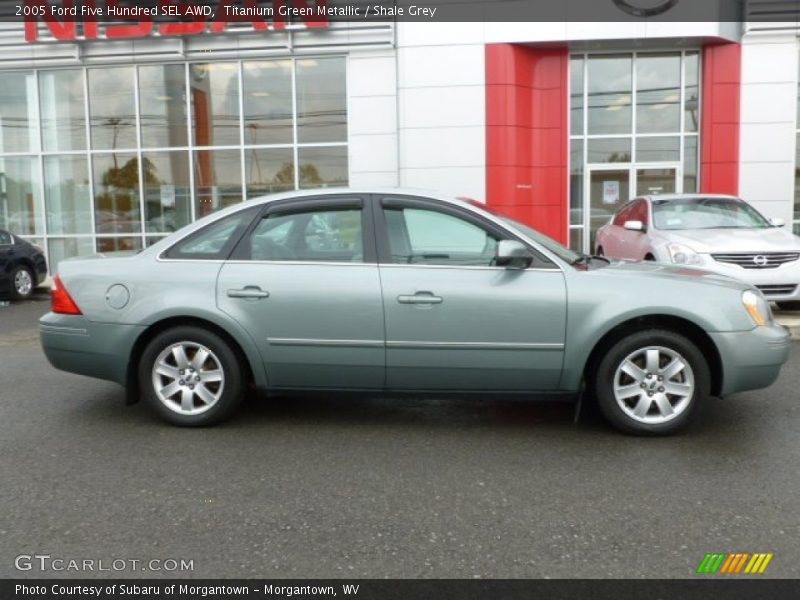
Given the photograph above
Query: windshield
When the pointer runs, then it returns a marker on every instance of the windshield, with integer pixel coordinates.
(706, 213)
(553, 246)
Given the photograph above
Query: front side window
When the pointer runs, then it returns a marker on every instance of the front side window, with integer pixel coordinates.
(419, 236)
(5, 238)
(315, 236)
(213, 241)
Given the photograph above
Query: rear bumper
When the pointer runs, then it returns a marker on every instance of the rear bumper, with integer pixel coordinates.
(73, 343)
(752, 359)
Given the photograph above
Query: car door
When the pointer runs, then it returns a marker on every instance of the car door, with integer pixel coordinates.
(304, 282)
(616, 240)
(638, 242)
(454, 321)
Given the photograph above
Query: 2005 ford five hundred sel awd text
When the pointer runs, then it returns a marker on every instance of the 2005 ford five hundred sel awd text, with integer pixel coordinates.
(402, 291)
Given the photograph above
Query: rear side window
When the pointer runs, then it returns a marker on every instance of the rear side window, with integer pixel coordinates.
(5, 238)
(215, 241)
(332, 235)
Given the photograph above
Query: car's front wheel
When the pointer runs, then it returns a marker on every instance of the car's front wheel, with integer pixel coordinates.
(649, 382)
(191, 377)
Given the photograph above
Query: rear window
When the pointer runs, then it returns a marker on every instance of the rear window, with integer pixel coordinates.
(214, 241)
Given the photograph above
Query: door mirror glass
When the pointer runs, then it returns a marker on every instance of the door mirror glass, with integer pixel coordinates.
(777, 222)
(513, 255)
(634, 226)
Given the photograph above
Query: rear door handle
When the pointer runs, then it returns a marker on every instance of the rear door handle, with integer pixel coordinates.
(420, 298)
(251, 292)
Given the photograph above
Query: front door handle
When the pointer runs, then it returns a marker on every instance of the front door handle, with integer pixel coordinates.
(250, 292)
(420, 298)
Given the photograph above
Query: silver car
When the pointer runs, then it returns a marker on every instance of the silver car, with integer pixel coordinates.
(392, 291)
(718, 233)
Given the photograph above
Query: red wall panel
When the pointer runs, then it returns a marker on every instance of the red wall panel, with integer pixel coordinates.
(526, 135)
(720, 119)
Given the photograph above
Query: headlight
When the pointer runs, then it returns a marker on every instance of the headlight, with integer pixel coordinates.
(757, 307)
(683, 255)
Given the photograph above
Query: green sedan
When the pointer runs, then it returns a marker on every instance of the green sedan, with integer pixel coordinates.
(398, 292)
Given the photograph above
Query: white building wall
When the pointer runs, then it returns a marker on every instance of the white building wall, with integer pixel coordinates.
(769, 122)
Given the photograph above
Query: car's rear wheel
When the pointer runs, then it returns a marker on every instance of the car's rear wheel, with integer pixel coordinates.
(649, 382)
(22, 283)
(791, 305)
(191, 377)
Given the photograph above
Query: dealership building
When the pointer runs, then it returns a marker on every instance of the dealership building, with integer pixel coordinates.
(112, 136)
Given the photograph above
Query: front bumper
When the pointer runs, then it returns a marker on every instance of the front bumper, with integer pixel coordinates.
(73, 343)
(752, 359)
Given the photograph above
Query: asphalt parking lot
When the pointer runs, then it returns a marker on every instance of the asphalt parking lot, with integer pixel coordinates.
(321, 487)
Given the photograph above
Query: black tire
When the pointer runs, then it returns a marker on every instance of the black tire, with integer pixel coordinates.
(15, 293)
(650, 258)
(600, 251)
(791, 305)
(604, 379)
(233, 386)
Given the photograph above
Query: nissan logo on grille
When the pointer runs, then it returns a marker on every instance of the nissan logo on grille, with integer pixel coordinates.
(760, 261)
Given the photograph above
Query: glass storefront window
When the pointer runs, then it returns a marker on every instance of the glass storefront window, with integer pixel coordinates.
(217, 180)
(321, 100)
(322, 167)
(61, 248)
(610, 92)
(116, 193)
(690, 160)
(658, 93)
(576, 95)
(692, 91)
(67, 195)
(162, 106)
(269, 170)
(63, 110)
(658, 149)
(20, 199)
(112, 108)
(215, 104)
(267, 102)
(19, 131)
(576, 182)
(116, 157)
(167, 191)
(610, 150)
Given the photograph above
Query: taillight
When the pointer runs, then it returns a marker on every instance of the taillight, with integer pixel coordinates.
(60, 300)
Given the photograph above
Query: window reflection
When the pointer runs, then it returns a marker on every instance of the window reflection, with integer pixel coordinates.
(611, 150)
(63, 111)
(18, 130)
(269, 170)
(215, 104)
(321, 100)
(576, 182)
(267, 102)
(167, 204)
(692, 91)
(116, 193)
(576, 96)
(217, 180)
(66, 194)
(20, 203)
(119, 244)
(322, 167)
(61, 248)
(610, 92)
(112, 110)
(690, 160)
(658, 149)
(162, 105)
(658, 93)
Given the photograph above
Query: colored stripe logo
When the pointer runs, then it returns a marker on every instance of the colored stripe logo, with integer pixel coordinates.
(739, 563)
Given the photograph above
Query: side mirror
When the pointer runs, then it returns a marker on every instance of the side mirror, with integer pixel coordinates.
(513, 255)
(777, 222)
(634, 226)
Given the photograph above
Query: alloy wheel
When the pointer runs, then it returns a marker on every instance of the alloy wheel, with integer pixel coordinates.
(654, 385)
(23, 282)
(188, 378)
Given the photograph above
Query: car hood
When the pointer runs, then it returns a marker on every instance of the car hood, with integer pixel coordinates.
(661, 271)
(705, 241)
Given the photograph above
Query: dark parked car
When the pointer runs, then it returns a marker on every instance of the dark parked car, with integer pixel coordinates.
(22, 267)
